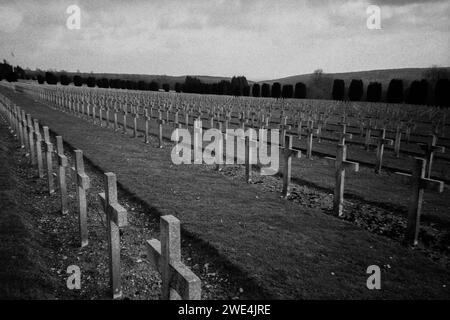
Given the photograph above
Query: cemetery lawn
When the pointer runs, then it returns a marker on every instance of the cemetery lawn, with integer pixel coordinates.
(286, 250)
(38, 243)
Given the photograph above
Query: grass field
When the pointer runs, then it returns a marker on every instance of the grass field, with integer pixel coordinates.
(286, 249)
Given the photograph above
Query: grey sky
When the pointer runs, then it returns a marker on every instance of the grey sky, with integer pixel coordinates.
(257, 38)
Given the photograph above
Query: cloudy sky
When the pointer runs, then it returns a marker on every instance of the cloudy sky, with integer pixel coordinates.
(261, 39)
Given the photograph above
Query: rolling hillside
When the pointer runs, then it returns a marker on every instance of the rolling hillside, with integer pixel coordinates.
(322, 89)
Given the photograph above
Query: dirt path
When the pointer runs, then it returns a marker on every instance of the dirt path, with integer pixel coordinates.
(288, 248)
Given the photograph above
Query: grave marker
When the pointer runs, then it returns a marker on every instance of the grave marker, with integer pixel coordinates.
(25, 132)
(83, 184)
(116, 218)
(135, 123)
(147, 119)
(31, 139)
(48, 148)
(430, 149)
(62, 164)
(341, 165)
(38, 139)
(309, 139)
(343, 134)
(124, 129)
(178, 281)
(398, 140)
(419, 184)
(381, 141)
(288, 152)
(160, 122)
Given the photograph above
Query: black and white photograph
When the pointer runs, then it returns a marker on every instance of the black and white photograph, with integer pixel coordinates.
(236, 152)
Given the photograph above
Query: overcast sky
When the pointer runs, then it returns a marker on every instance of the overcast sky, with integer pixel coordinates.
(261, 39)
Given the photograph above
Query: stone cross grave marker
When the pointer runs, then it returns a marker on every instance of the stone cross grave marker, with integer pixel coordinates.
(100, 115)
(147, 119)
(381, 141)
(198, 143)
(284, 128)
(341, 165)
(219, 155)
(107, 116)
(309, 140)
(124, 128)
(116, 218)
(25, 132)
(398, 139)
(342, 135)
(430, 148)
(48, 148)
(94, 119)
(288, 152)
(135, 122)
(38, 139)
(83, 183)
(186, 121)
(409, 128)
(249, 145)
(21, 129)
(62, 164)
(320, 124)
(368, 136)
(160, 123)
(116, 124)
(31, 139)
(419, 185)
(178, 281)
(299, 128)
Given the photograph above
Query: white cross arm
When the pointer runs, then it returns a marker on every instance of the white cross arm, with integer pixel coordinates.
(48, 147)
(439, 149)
(345, 135)
(83, 180)
(117, 213)
(376, 140)
(62, 160)
(427, 184)
(432, 185)
(403, 174)
(182, 279)
(330, 160)
(350, 165)
(426, 147)
(252, 143)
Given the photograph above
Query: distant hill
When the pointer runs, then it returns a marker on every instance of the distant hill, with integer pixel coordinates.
(382, 76)
(322, 89)
(316, 88)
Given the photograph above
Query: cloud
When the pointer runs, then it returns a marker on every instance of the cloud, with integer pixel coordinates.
(10, 18)
(399, 3)
(258, 38)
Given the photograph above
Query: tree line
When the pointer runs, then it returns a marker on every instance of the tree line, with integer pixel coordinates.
(418, 91)
(237, 86)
